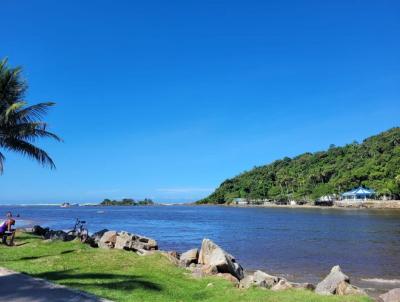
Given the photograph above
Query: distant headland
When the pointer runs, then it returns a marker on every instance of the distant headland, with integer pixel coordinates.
(127, 202)
(323, 178)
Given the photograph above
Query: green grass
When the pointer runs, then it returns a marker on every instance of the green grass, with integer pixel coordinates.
(125, 276)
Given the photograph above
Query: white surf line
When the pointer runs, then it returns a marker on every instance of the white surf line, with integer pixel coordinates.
(379, 280)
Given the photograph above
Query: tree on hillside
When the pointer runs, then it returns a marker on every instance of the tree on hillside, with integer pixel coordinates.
(21, 125)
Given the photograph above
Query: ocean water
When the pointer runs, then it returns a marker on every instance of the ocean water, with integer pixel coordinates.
(300, 244)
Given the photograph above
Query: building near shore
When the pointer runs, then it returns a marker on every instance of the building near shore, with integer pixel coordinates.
(241, 201)
(359, 194)
(326, 200)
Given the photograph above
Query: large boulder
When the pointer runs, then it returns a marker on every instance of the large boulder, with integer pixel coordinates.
(337, 283)
(95, 238)
(391, 296)
(211, 254)
(124, 240)
(136, 243)
(148, 244)
(39, 231)
(107, 241)
(329, 285)
(189, 257)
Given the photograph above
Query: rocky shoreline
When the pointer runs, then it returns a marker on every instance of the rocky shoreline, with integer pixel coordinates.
(212, 260)
(376, 205)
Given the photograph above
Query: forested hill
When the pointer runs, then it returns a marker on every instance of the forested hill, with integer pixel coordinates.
(374, 163)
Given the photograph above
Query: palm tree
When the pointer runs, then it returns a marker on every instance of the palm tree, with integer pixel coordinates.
(21, 125)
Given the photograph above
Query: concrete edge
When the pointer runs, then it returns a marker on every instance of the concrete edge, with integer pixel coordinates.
(7, 272)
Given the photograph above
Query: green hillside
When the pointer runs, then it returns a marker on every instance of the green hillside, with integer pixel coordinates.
(374, 163)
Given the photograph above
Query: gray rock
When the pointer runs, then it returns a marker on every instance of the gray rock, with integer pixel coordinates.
(39, 231)
(58, 235)
(172, 256)
(264, 279)
(189, 257)
(136, 243)
(308, 286)
(229, 278)
(391, 296)
(282, 285)
(107, 241)
(247, 282)
(95, 238)
(344, 288)
(211, 254)
(259, 279)
(329, 285)
(209, 269)
(146, 243)
(123, 240)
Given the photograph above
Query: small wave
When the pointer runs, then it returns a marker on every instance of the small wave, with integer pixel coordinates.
(379, 280)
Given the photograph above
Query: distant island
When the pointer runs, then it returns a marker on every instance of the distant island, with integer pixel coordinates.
(127, 202)
(374, 163)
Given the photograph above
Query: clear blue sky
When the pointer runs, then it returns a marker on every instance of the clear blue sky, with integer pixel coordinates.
(166, 99)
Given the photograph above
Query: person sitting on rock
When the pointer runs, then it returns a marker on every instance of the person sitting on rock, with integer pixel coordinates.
(7, 230)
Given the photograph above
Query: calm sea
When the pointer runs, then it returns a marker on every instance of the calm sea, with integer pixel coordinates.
(300, 244)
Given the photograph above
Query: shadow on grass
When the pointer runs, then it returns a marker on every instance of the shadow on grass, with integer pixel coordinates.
(21, 244)
(24, 236)
(100, 280)
(43, 256)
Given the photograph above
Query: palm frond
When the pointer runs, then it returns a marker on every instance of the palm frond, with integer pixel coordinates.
(2, 159)
(34, 112)
(30, 131)
(20, 125)
(12, 109)
(12, 86)
(29, 150)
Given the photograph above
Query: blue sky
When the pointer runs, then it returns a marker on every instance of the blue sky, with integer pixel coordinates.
(166, 99)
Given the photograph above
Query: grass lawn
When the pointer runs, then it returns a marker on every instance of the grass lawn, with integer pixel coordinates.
(125, 276)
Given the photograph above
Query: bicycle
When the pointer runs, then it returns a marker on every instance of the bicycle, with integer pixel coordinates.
(80, 230)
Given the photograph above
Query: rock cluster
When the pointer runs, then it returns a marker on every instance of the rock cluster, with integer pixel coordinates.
(337, 283)
(47, 233)
(264, 280)
(124, 241)
(211, 259)
(105, 239)
(391, 296)
(213, 256)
